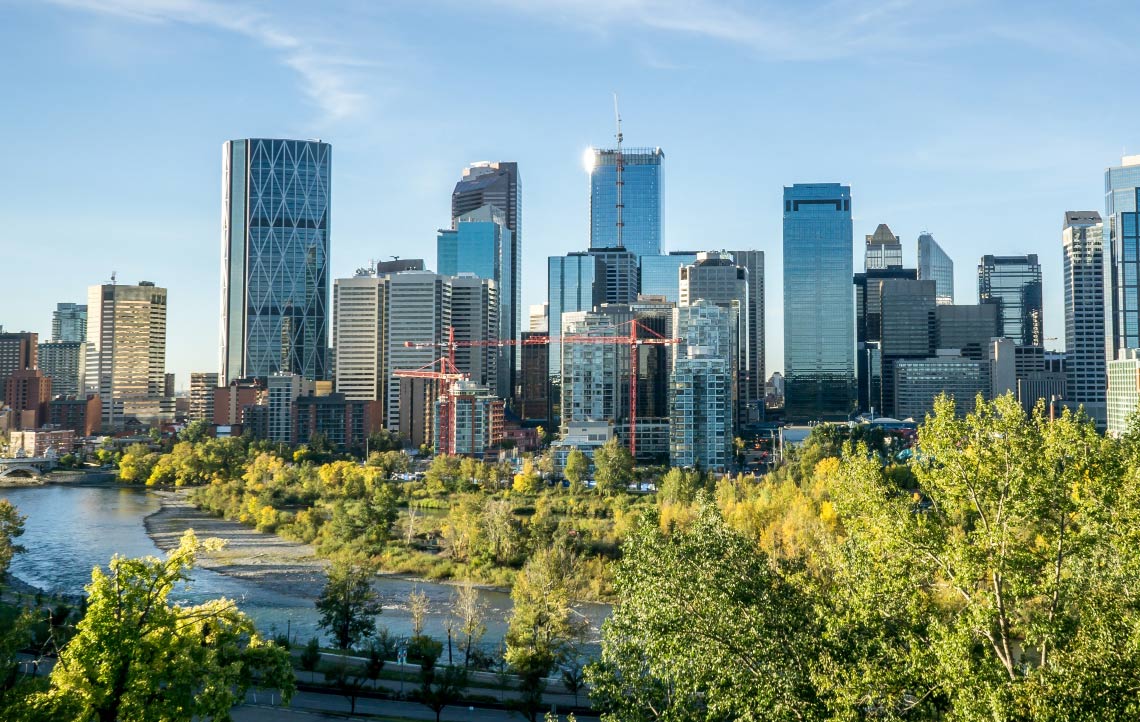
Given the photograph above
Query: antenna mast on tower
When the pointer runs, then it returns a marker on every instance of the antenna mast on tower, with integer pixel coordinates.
(620, 165)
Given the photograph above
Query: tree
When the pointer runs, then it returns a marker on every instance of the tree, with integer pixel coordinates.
(136, 464)
(613, 468)
(1004, 586)
(705, 628)
(470, 617)
(348, 604)
(418, 608)
(527, 481)
(573, 680)
(11, 528)
(577, 466)
(351, 679)
(440, 689)
(311, 656)
(136, 656)
(194, 432)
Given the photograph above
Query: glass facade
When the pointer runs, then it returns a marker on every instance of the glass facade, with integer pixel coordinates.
(819, 324)
(1013, 283)
(1123, 390)
(660, 274)
(573, 284)
(918, 382)
(935, 265)
(275, 251)
(1122, 226)
(640, 200)
(883, 250)
(69, 323)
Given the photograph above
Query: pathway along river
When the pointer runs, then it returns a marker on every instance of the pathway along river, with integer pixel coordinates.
(70, 529)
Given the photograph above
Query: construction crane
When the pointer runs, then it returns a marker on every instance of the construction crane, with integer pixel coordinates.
(633, 340)
(619, 165)
(446, 375)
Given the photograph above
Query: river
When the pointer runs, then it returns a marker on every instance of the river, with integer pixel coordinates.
(70, 529)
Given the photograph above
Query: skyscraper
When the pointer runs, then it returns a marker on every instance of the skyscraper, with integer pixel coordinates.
(883, 250)
(640, 199)
(498, 184)
(202, 386)
(618, 271)
(935, 265)
(701, 424)
(69, 323)
(126, 347)
(63, 361)
(1085, 363)
(715, 277)
(819, 323)
(752, 385)
(660, 274)
(1122, 235)
(1014, 284)
(275, 254)
(575, 282)
(480, 244)
(18, 352)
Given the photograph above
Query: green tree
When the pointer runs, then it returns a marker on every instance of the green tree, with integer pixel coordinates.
(136, 464)
(310, 656)
(613, 468)
(194, 432)
(706, 628)
(440, 689)
(348, 604)
(11, 528)
(527, 481)
(1004, 587)
(136, 656)
(577, 466)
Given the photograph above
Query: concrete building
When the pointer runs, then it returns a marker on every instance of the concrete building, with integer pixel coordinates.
(539, 318)
(202, 386)
(231, 400)
(468, 420)
(18, 352)
(343, 422)
(475, 319)
(717, 278)
(1026, 372)
(283, 392)
(126, 349)
(1123, 390)
(702, 386)
(1086, 385)
(63, 362)
(82, 416)
(591, 372)
(359, 336)
(418, 312)
(38, 443)
(28, 392)
(918, 382)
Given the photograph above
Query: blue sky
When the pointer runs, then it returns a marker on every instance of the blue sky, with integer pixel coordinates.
(980, 122)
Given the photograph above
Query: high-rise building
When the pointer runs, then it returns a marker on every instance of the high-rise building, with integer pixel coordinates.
(935, 265)
(1123, 390)
(575, 282)
(18, 352)
(359, 333)
(480, 245)
(640, 204)
(539, 315)
(468, 420)
(202, 386)
(535, 378)
(1085, 313)
(275, 255)
(717, 278)
(28, 392)
(126, 347)
(752, 385)
(901, 327)
(63, 361)
(966, 329)
(701, 388)
(69, 323)
(918, 382)
(475, 318)
(284, 390)
(1013, 283)
(618, 271)
(660, 275)
(1029, 372)
(418, 313)
(884, 250)
(592, 373)
(819, 314)
(1122, 237)
(497, 184)
(868, 333)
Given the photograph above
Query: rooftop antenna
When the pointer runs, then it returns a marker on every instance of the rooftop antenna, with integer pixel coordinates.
(112, 278)
(620, 164)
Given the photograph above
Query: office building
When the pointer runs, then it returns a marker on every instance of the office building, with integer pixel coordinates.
(359, 333)
(69, 323)
(752, 385)
(702, 387)
(918, 382)
(575, 282)
(966, 329)
(475, 320)
(28, 392)
(1013, 283)
(1122, 237)
(126, 350)
(418, 312)
(343, 422)
(883, 250)
(275, 255)
(202, 386)
(283, 392)
(468, 420)
(907, 330)
(660, 275)
(479, 244)
(536, 401)
(81, 415)
(1030, 373)
(618, 273)
(869, 335)
(935, 265)
(18, 352)
(1123, 390)
(63, 361)
(639, 210)
(819, 328)
(539, 315)
(1085, 341)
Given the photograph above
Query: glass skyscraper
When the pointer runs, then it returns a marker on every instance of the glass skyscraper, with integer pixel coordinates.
(935, 265)
(275, 254)
(1014, 284)
(640, 201)
(819, 312)
(574, 283)
(660, 274)
(1122, 234)
(69, 323)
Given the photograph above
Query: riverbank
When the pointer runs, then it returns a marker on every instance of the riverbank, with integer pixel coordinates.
(284, 566)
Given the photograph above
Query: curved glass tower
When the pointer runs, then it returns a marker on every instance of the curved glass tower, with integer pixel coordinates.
(275, 254)
(819, 306)
(935, 265)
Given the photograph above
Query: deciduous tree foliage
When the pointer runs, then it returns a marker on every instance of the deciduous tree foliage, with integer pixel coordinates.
(613, 468)
(135, 656)
(348, 604)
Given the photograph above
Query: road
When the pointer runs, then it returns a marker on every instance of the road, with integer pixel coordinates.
(307, 706)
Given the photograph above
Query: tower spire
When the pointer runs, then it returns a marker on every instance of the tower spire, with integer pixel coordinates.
(620, 166)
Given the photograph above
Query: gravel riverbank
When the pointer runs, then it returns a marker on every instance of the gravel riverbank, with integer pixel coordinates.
(266, 559)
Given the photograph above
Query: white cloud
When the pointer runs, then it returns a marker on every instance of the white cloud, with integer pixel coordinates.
(324, 75)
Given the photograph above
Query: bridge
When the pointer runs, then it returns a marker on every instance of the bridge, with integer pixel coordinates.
(28, 467)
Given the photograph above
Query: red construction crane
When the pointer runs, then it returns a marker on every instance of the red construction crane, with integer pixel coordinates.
(633, 340)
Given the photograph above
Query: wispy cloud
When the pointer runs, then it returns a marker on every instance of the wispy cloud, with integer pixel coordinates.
(325, 70)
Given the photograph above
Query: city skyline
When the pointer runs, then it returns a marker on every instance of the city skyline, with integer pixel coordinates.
(709, 193)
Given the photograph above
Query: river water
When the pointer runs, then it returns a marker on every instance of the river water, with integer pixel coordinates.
(70, 529)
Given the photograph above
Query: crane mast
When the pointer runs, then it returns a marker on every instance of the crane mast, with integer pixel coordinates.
(619, 163)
